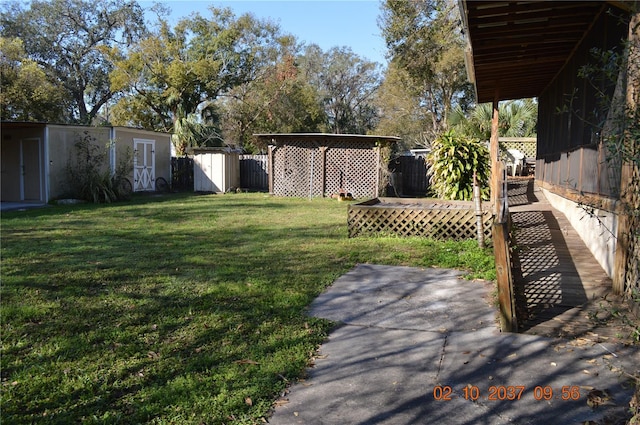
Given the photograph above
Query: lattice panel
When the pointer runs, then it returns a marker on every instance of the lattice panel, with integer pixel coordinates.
(354, 170)
(301, 168)
(297, 169)
(526, 147)
(434, 222)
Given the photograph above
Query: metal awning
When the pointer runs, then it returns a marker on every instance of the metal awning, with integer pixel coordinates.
(518, 47)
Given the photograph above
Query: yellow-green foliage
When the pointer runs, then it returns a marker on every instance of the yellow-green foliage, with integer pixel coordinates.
(452, 161)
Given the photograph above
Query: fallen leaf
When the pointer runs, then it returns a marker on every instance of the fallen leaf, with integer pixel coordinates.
(281, 402)
(248, 401)
(596, 398)
(295, 413)
(553, 364)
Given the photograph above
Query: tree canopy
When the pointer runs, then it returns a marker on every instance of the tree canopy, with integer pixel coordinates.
(223, 77)
(26, 94)
(517, 118)
(424, 41)
(68, 40)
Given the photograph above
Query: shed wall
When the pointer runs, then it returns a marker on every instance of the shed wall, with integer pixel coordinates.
(124, 146)
(216, 172)
(62, 153)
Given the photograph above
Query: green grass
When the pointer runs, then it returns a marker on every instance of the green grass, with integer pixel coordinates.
(176, 309)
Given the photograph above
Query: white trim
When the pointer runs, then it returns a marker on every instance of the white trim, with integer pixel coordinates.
(112, 151)
(47, 168)
(146, 166)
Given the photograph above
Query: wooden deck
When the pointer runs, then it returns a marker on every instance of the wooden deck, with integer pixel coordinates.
(561, 290)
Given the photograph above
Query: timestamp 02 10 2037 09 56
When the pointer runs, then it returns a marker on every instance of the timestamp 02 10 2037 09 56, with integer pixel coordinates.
(507, 392)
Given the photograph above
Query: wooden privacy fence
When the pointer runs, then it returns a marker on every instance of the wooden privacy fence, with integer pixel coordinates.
(408, 176)
(182, 173)
(254, 172)
(431, 218)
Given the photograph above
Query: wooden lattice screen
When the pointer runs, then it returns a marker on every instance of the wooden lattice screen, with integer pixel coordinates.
(325, 164)
(526, 145)
(431, 218)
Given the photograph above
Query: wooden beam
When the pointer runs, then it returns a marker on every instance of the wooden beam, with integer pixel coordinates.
(271, 151)
(493, 154)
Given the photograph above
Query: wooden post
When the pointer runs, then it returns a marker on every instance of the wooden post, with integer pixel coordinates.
(493, 153)
(508, 322)
(323, 162)
(500, 233)
(271, 150)
(477, 200)
(625, 226)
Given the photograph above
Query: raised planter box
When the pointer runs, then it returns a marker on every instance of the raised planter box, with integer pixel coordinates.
(432, 218)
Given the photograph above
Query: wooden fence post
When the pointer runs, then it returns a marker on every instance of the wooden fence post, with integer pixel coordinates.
(271, 150)
(477, 202)
(493, 154)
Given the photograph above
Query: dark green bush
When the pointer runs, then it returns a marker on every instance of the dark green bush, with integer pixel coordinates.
(90, 177)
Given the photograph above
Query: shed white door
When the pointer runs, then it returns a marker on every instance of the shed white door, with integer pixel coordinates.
(144, 165)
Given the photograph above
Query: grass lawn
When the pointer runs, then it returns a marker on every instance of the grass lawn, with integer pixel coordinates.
(176, 309)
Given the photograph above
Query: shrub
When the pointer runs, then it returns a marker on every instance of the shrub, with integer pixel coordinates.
(453, 160)
(89, 175)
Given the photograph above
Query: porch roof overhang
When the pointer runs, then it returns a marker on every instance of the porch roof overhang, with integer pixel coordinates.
(516, 48)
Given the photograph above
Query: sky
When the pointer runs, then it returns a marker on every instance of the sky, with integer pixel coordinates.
(328, 23)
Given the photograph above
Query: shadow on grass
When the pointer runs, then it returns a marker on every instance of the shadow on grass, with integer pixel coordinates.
(125, 313)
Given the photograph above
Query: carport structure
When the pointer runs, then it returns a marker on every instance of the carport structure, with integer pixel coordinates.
(522, 49)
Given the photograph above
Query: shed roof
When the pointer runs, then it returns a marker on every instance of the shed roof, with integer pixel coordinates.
(518, 47)
(315, 137)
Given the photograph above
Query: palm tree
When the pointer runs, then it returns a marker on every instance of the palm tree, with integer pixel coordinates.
(518, 118)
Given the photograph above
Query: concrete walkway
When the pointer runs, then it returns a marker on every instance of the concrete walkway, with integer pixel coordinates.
(20, 206)
(413, 342)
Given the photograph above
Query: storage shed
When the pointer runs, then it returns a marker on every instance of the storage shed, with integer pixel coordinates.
(35, 157)
(215, 169)
(318, 164)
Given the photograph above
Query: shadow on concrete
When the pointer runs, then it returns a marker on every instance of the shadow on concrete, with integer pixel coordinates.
(422, 346)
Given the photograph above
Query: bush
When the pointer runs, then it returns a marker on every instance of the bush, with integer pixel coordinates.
(453, 160)
(89, 175)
